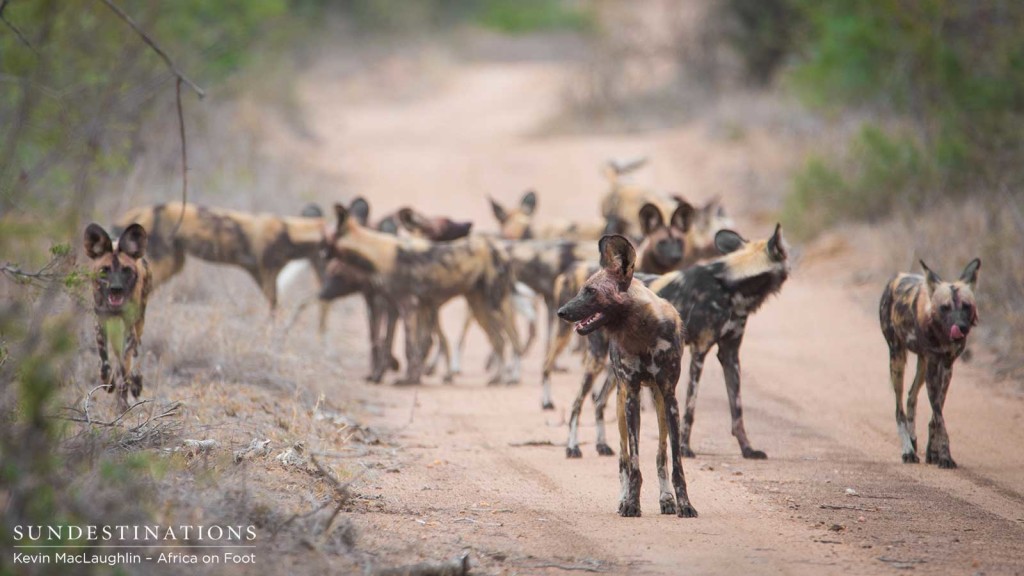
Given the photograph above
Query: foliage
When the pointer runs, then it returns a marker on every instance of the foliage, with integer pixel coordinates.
(508, 16)
(73, 99)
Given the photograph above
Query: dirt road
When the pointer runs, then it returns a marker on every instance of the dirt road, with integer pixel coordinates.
(482, 469)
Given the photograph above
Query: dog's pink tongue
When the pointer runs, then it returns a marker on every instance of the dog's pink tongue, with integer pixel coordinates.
(955, 333)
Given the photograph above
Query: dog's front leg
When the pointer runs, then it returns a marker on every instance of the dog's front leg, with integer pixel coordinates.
(408, 309)
(101, 348)
(133, 378)
(729, 356)
(915, 389)
(600, 399)
(572, 447)
(629, 395)
(938, 375)
(377, 309)
(671, 405)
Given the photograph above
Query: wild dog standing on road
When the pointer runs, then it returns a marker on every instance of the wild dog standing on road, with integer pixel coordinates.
(932, 319)
(664, 244)
(120, 287)
(662, 249)
(261, 244)
(419, 276)
(646, 338)
(715, 299)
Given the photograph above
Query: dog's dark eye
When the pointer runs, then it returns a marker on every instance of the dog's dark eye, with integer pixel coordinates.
(945, 308)
(104, 272)
(589, 290)
(967, 307)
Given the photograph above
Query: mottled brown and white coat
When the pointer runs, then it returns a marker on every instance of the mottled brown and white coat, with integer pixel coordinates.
(931, 318)
(646, 336)
(418, 276)
(260, 244)
(121, 283)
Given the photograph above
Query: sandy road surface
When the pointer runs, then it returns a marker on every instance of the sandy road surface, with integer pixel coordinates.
(459, 476)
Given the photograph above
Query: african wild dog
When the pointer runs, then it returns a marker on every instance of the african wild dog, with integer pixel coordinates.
(716, 299)
(662, 249)
(261, 244)
(932, 319)
(121, 285)
(664, 245)
(706, 222)
(418, 276)
(518, 223)
(435, 228)
(646, 337)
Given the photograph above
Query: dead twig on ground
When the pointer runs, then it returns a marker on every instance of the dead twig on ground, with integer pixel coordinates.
(531, 443)
(841, 507)
(454, 567)
(340, 490)
(571, 567)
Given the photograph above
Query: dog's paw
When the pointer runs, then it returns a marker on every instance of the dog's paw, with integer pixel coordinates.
(605, 450)
(751, 454)
(668, 505)
(105, 374)
(547, 405)
(686, 510)
(136, 385)
(910, 458)
(448, 378)
(687, 452)
(573, 452)
(393, 364)
(629, 509)
(494, 381)
(407, 382)
(945, 462)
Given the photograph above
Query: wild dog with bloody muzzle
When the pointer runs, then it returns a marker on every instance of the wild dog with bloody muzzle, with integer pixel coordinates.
(418, 276)
(715, 299)
(260, 244)
(931, 318)
(646, 337)
(121, 285)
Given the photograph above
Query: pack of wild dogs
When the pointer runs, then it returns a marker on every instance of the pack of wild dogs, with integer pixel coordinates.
(653, 276)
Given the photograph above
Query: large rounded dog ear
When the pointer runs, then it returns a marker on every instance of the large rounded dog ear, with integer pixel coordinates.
(970, 273)
(529, 202)
(133, 241)
(618, 258)
(651, 219)
(777, 249)
(360, 210)
(683, 216)
(727, 241)
(312, 210)
(97, 241)
(342, 214)
(499, 211)
(931, 278)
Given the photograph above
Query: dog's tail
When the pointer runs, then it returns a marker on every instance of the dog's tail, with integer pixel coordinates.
(615, 169)
(523, 299)
(291, 273)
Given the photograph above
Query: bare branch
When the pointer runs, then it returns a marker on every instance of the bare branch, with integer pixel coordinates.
(184, 158)
(14, 28)
(145, 38)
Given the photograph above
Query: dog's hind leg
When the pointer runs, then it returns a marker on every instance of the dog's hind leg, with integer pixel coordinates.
(939, 373)
(412, 319)
(915, 389)
(729, 356)
(897, 365)
(594, 362)
(697, 356)
(456, 366)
